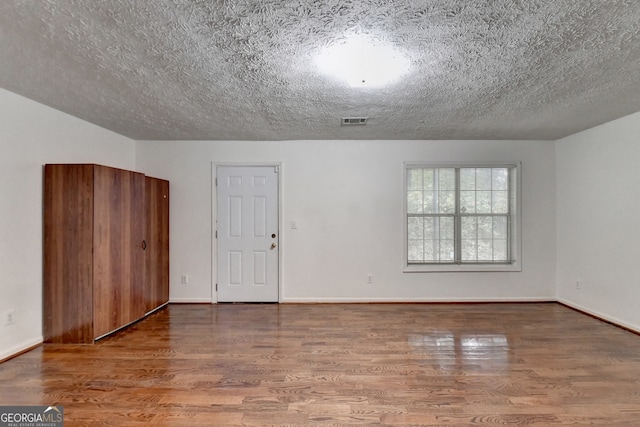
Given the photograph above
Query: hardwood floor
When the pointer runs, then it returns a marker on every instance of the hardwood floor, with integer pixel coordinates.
(343, 364)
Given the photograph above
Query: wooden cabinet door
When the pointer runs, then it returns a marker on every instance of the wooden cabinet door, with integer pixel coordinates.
(137, 245)
(68, 262)
(118, 255)
(157, 238)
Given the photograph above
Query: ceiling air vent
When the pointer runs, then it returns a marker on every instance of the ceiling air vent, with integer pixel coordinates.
(354, 121)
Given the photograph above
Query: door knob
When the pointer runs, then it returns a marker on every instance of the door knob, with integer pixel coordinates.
(273, 246)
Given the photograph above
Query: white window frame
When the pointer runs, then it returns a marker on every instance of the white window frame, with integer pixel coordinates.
(516, 223)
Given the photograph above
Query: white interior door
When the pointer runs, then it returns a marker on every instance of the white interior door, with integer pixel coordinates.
(247, 230)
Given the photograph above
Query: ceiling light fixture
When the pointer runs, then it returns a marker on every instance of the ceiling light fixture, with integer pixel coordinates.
(363, 62)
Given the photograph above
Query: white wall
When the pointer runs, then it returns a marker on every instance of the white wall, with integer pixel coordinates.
(346, 197)
(31, 135)
(598, 182)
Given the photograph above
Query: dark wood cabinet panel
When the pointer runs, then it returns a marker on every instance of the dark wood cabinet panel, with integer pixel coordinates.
(119, 259)
(68, 258)
(95, 257)
(157, 256)
(137, 236)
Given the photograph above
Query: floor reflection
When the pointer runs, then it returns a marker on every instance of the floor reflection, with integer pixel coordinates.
(451, 351)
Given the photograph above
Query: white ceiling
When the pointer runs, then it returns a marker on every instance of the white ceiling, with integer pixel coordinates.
(244, 70)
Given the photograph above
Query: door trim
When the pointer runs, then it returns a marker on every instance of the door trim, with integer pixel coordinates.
(214, 222)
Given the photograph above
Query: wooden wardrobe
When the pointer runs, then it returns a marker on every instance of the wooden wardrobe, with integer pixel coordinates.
(106, 250)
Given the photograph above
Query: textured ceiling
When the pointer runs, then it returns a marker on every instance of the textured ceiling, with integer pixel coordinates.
(244, 70)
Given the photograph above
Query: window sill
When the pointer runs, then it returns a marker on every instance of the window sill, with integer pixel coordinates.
(440, 268)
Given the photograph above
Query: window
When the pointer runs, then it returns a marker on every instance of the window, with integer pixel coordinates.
(461, 217)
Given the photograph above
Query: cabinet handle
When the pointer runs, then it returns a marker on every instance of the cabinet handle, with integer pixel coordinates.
(144, 245)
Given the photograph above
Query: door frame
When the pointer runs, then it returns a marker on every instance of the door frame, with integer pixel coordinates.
(214, 221)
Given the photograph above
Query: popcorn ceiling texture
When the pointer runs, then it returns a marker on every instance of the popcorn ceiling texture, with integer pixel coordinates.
(244, 70)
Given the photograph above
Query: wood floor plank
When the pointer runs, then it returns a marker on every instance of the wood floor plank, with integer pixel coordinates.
(341, 365)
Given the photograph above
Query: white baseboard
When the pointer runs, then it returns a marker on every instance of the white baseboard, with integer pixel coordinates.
(606, 317)
(20, 348)
(415, 300)
(190, 301)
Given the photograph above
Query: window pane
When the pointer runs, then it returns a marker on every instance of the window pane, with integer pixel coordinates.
(429, 175)
(414, 202)
(512, 192)
(469, 250)
(429, 203)
(485, 252)
(500, 250)
(467, 179)
(446, 202)
(469, 228)
(415, 228)
(499, 227)
(431, 239)
(430, 250)
(446, 228)
(485, 227)
(468, 201)
(483, 179)
(500, 202)
(416, 250)
(414, 179)
(500, 179)
(483, 201)
(429, 228)
(446, 250)
(446, 179)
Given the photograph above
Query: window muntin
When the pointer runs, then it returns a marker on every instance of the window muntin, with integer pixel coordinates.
(460, 215)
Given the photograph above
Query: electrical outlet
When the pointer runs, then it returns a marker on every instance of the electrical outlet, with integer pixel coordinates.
(578, 284)
(369, 278)
(10, 318)
(184, 279)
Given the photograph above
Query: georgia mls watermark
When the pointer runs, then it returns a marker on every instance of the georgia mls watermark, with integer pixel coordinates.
(31, 416)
